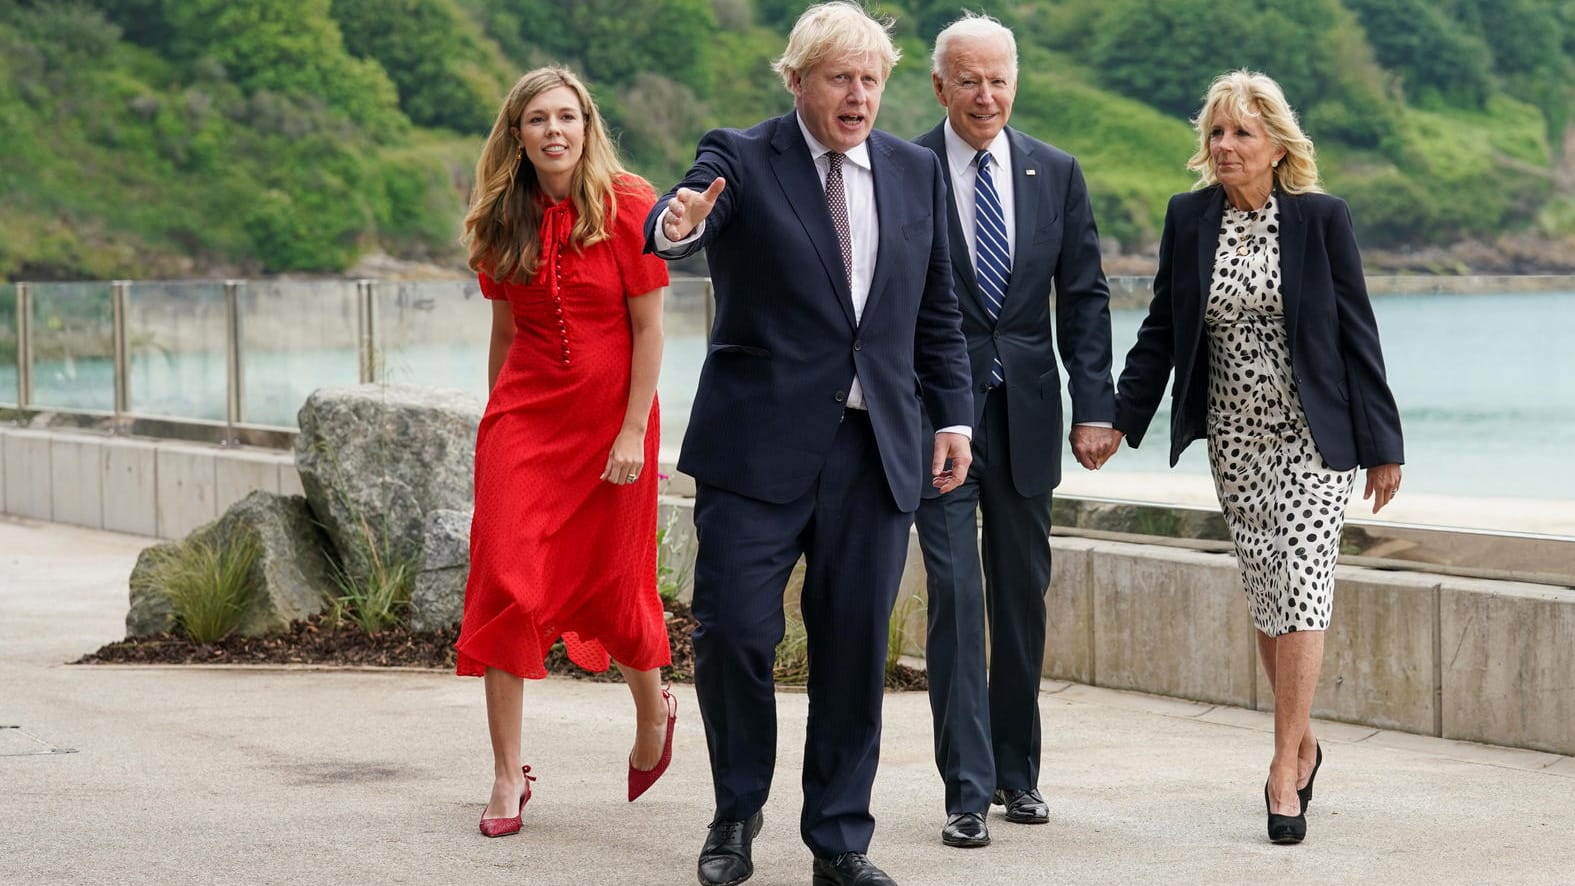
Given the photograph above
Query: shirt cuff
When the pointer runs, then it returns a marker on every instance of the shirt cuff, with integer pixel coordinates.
(665, 245)
(965, 430)
(1093, 424)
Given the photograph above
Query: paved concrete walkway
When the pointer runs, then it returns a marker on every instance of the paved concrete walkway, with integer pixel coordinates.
(227, 775)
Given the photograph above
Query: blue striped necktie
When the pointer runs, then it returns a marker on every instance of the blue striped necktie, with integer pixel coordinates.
(994, 259)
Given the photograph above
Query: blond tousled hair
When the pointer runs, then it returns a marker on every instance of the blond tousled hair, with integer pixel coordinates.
(503, 226)
(1242, 93)
(836, 28)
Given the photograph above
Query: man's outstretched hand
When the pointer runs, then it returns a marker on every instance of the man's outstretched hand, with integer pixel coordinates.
(688, 209)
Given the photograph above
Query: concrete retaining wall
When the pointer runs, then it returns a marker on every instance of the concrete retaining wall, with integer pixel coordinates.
(163, 488)
(1437, 655)
(1484, 661)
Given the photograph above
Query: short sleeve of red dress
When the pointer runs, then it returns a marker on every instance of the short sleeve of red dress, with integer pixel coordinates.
(490, 288)
(642, 272)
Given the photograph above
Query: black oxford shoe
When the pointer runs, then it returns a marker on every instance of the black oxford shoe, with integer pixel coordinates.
(724, 859)
(849, 869)
(965, 830)
(1023, 807)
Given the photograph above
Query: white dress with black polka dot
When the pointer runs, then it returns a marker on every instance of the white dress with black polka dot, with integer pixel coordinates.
(1284, 505)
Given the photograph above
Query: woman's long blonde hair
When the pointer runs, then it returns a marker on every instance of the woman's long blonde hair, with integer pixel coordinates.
(1243, 93)
(503, 226)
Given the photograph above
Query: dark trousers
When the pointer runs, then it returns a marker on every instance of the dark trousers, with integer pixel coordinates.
(986, 725)
(854, 542)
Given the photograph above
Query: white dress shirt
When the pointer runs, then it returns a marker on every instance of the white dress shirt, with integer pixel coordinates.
(960, 162)
(858, 185)
(965, 178)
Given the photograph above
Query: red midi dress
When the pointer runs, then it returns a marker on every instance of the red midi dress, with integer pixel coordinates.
(554, 549)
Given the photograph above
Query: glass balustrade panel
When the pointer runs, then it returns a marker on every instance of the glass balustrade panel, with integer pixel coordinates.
(8, 345)
(296, 336)
(178, 355)
(73, 346)
(434, 333)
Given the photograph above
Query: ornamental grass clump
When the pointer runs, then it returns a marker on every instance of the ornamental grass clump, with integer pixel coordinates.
(209, 585)
(380, 599)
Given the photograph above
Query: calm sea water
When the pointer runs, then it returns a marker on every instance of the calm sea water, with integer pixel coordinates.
(1486, 386)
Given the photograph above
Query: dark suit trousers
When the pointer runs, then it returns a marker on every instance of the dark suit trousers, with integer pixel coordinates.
(854, 542)
(986, 729)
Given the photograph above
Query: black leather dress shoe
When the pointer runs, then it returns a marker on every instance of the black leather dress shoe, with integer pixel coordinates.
(724, 859)
(1023, 807)
(965, 830)
(849, 869)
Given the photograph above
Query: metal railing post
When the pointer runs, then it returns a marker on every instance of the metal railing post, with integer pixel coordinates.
(366, 315)
(24, 346)
(233, 378)
(119, 291)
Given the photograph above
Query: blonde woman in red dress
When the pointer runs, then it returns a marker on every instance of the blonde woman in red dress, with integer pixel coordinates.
(564, 538)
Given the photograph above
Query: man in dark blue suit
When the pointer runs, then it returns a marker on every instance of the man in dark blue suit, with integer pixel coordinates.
(835, 330)
(1021, 226)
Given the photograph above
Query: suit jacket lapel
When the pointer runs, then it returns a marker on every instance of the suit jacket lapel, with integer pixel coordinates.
(1208, 242)
(962, 265)
(801, 185)
(1293, 249)
(888, 221)
(1027, 193)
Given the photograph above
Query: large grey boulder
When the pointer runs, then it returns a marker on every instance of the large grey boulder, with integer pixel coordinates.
(438, 598)
(150, 611)
(291, 577)
(374, 460)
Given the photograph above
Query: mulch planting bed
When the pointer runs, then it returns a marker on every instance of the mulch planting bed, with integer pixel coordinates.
(316, 642)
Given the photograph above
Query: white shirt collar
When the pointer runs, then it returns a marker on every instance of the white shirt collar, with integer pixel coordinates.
(960, 154)
(858, 155)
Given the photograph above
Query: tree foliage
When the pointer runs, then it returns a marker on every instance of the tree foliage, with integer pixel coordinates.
(168, 137)
(435, 57)
(1436, 58)
(612, 42)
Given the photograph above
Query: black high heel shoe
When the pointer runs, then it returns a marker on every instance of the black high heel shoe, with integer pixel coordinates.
(1284, 829)
(1305, 794)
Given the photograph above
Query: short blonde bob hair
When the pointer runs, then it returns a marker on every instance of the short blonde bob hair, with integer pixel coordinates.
(836, 28)
(1244, 93)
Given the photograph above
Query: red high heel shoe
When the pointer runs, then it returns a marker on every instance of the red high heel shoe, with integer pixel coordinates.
(502, 827)
(640, 780)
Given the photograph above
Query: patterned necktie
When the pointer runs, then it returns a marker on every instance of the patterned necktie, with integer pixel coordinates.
(995, 262)
(837, 202)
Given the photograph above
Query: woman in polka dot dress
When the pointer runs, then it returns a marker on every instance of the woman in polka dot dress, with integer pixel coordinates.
(1261, 309)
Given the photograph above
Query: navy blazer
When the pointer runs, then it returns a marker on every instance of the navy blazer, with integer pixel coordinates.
(1057, 245)
(784, 344)
(1336, 361)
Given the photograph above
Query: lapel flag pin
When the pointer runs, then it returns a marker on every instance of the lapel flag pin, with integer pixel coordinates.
(1028, 172)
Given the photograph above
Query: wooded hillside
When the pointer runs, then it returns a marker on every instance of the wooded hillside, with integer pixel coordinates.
(147, 138)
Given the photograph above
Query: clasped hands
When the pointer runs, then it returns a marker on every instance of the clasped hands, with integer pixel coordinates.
(1092, 445)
